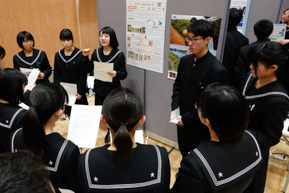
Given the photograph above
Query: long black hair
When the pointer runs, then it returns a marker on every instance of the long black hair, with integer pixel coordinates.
(269, 54)
(44, 100)
(122, 109)
(11, 85)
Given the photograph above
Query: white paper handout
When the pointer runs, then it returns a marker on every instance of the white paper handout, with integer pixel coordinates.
(138, 136)
(174, 115)
(101, 69)
(84, 125)
(32, 78)
(71, 90)
(26, 71)
(24, 106)
(90, 82)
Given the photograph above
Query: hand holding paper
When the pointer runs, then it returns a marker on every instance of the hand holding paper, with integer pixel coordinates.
(175, 116)
(101, 71)
(32, 78)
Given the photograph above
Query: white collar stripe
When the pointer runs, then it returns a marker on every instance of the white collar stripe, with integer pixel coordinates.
(124, 186)
(54, 169)
(108, 60)
(245, 87)
(30, 64)
(267, 94)
(231, 178)
(67, 61)
(12, 120)
(12, 141)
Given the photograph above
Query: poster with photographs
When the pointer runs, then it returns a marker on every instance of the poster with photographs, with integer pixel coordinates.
(178, 45)
(145, 34)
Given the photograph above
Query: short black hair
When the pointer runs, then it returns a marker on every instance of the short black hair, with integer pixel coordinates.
(202, 28)
(22, 36)
(286, 10)
(11, 85)
(226, 109)
(66, 34)
(2, 53)
(113, 40)
(263, 28)
(235, 16)
(23, 172)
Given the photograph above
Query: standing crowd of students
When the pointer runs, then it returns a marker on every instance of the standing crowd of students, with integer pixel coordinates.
(231, 114)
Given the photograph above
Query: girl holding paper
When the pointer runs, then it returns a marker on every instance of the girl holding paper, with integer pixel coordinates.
(268, 101)
(69, 65)
(12, 83)
(108, 53)
(124, 165)
(30, 57)
(60, 155)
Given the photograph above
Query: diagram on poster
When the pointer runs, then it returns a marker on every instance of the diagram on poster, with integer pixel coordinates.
(145, 34)
(278, 33)
(178, 45)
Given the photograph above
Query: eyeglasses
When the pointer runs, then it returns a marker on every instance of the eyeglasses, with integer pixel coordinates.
(193, 40)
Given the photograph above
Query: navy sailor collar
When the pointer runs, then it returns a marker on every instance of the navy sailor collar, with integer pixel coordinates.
(22, 57)
(273, 88)
(112, 55)
(74, 53)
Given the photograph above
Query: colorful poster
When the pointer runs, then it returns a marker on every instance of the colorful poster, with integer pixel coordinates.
(278, 33)
(145, 34)
(244, 6)
(178, 44)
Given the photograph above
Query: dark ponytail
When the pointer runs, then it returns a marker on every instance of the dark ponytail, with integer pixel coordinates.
(122, 109)
(44, 100)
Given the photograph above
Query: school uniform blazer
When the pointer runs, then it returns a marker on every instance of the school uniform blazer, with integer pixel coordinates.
(193, 76)
(10, 120)
(38, 60)
(60, 159)
(117, 58)
(268, 107)
(146, 171)
(219, 167)
(234, 41)
(243, 62)
(70, 69)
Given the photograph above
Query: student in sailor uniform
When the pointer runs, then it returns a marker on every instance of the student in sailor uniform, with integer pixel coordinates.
(30, 57)
(69, 66)
(108, 53)
(124, 166)
(12, 82)
(228, 161)
(60, 156)
(2, 57)
(268, 101)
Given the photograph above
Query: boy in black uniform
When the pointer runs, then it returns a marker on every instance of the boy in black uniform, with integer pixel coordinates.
(234, 41)
(262, 30)
(195, 72)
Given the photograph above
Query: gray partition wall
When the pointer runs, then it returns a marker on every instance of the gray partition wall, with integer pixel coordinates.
(283, 7)
(262, 9)
(156, 88)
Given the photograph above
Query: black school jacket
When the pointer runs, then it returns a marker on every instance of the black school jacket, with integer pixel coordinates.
(117, 58)
(70, 69)
(268, 108)
(60, 159)
(193, 76)
(38, 60)
(219, 167)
